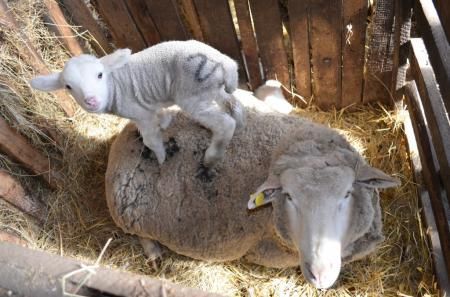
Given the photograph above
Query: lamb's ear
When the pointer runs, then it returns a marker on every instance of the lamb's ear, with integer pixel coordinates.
(117, 59)
(265, 193)
(375, 178)
(49, 82)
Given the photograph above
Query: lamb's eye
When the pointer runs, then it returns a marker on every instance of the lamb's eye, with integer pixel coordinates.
(100, 75)
(288, 197)
(348, 194)
(68, 87)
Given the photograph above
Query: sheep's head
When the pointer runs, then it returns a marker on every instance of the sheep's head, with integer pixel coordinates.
(316, 210)
(86, 78)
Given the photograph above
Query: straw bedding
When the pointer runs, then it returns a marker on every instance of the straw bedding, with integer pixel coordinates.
(78, 224)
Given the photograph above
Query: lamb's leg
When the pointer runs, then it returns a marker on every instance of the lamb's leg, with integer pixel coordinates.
(152, 249)
(222, 126)
(152, 137)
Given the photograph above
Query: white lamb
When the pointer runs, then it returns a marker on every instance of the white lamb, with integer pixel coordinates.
(194, 76)
(321, 197)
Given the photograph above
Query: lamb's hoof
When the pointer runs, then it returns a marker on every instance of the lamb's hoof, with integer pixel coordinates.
(152, 249)
(205, 174)
(171, 147)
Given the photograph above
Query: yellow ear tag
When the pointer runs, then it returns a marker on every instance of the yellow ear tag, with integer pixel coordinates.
(259, 199)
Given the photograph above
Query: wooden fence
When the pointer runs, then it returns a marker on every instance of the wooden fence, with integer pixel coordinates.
(316, 48)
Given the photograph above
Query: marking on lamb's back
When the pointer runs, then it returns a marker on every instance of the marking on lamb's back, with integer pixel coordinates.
(201, 67)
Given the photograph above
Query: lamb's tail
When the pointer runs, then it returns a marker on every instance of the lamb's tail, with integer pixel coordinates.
(230, 75)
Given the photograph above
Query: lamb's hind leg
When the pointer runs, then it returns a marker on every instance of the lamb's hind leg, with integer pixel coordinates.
(222, 126)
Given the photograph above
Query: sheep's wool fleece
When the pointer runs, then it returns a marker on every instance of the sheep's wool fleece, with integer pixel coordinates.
(206, 217)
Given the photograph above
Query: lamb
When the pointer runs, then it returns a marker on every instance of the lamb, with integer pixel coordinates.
(194, 76)
(313, 199)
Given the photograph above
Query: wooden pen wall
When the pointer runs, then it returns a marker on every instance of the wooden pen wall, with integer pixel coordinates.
(317, 48)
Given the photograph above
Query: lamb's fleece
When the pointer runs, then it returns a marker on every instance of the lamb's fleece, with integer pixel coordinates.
(205, 216)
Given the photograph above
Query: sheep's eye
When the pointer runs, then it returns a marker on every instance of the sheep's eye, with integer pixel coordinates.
(288, 197)
(68, 87)
(347, 195)
(100, 75)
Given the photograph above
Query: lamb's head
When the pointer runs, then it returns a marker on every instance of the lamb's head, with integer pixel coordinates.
(316, 209)
(86, 78)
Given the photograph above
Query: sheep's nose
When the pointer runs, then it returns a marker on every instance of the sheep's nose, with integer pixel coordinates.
(322, 276)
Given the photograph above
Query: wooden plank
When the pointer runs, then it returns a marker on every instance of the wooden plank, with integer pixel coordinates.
(12, 191)
(35, 273)
(299, 29)
(218, 29)
(325, 38)
(402, 36)
(8, 237)
(18, 148)
(379, 64)
(123, 29)
(269, 36)
(430, 175)
(31, 56)
(248, 43)
(167, 19)
(436, 115)
(143, 19)
(428, 24)
(62, 29)
(353, 50)
(443, 9)
(189, 13)
(427, 212)
(81, 16)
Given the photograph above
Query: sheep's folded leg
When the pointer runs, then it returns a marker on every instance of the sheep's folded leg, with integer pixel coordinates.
(152, 248)
(152, 137)
(219, 122)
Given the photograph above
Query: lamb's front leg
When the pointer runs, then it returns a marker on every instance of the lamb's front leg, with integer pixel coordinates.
(152, 137)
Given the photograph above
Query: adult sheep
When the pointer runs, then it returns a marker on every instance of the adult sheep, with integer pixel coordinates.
(190, 74)
(321, 196)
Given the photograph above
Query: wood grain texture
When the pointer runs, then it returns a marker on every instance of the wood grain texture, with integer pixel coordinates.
(187, 9)
(143, 19)
(80, 15)
(166, 17)
(248, 43)
(29, 53)
(435, 113)
(59, 25)
(326, 23)
(353, 49)
(12, 191)
(379, 65)
(122, 26)
(430, 173)
(443, 9)
(35, 273)
(269, 36)
(432, 32)
(427, 211)
(19, 149)
(299, 29)
(218, 29)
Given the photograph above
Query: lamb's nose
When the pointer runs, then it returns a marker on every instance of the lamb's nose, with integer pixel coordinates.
(91, 100)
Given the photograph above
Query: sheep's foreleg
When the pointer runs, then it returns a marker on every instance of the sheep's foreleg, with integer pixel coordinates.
(152, 137)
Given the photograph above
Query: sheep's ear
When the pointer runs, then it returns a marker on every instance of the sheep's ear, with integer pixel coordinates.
(265, 193)
(375, 178)
(117, 59)
(49, 82)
